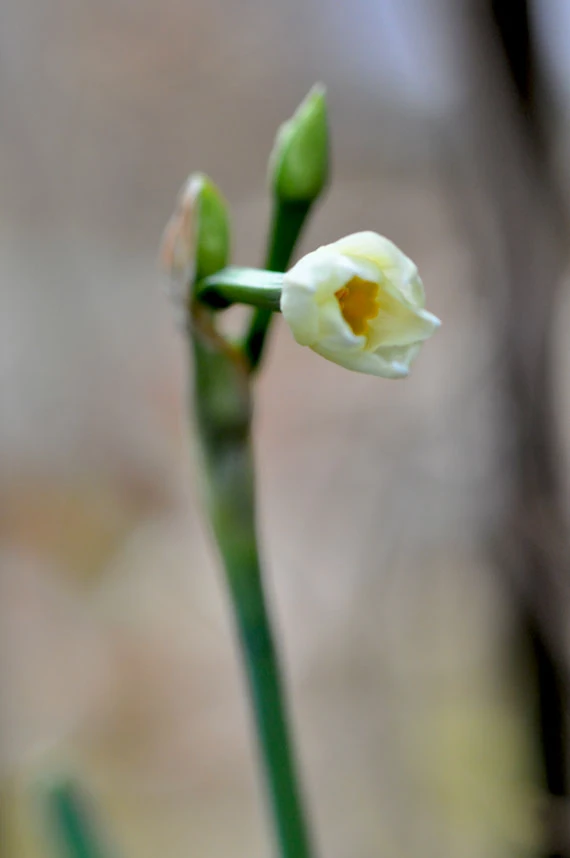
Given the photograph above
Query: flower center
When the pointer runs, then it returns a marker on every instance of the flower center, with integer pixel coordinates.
(358, 300)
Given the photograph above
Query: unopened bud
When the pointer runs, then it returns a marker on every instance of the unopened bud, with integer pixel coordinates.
(299, 163)
(196, 241)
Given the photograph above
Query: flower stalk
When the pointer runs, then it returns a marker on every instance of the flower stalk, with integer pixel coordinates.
(233, 285)
(223, 417)
(222, 412)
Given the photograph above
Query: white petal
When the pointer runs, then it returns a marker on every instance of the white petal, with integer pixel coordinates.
(413, 288)
(301, 313)
(398, 325)
(334, 332)
(402, 355)
(322, 271)
(367, 245)
(366, 362)
(397, 268)
(430, 320)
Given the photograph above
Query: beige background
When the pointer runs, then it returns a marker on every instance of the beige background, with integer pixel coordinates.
(377, 499)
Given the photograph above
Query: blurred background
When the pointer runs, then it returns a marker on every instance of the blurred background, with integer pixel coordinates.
(415, 534)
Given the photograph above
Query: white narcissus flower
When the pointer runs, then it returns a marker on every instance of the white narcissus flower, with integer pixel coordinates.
(359, 302)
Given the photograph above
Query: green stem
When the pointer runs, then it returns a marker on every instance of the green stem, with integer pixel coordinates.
(287, 222)
(266, 690)
(223, 417)
(74, 828)
(235, 285)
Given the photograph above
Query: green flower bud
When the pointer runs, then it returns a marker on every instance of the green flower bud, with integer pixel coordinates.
(196, 242)
(299, 162)
(212, 227)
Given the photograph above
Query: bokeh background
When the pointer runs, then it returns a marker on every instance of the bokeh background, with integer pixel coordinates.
(414, 533)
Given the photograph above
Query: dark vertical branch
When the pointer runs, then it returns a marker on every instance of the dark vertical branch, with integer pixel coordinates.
(505, 156)
(537, 463)
(513, 25)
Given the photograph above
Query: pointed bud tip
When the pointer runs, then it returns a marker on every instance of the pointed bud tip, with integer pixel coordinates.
(298, 167)
(212, 229)
(316, 97)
